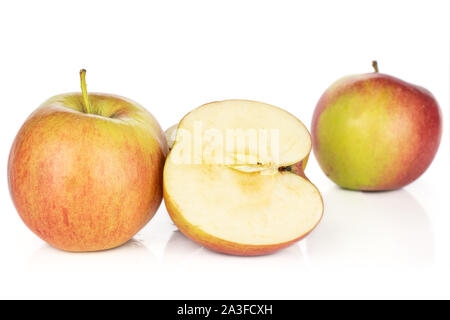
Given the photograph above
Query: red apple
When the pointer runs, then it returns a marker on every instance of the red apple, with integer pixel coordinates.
(375, 132)
(85, 171)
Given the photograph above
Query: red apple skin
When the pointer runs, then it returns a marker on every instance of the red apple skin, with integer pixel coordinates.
(84, 182)
(383, 134)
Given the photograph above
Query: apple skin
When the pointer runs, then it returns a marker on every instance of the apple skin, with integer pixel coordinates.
(299, 168)
(87, 182)
(375, 132)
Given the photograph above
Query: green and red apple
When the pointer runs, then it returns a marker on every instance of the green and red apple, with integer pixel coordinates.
(247, 200)
(85, 170)
(375, 132)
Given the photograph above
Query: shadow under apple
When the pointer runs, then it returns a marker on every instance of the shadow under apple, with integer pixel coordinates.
(131, 256)
(371, 230)
(180, 251)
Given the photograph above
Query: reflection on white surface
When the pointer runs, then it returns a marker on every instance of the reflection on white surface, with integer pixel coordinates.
(359, 230)
(371, 229)
(132, 256)
(179, 248)
(180, 251)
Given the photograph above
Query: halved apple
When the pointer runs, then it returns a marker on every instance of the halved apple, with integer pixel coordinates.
(234, 181)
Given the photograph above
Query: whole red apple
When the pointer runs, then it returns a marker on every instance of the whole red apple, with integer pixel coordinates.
(85, 171)
(375, 132)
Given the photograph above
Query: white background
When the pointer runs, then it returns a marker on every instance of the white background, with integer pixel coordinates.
(172, 56)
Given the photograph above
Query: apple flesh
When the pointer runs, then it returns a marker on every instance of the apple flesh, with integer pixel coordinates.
(85, 171)
(252, 206)
(375, 132)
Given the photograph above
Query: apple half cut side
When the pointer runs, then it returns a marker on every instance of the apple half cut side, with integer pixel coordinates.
(234, 181)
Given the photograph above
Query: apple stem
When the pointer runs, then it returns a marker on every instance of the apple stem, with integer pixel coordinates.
(375, 65)
(87, 105)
